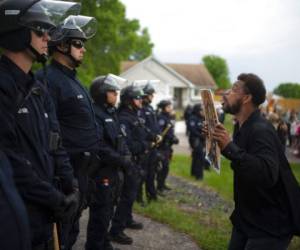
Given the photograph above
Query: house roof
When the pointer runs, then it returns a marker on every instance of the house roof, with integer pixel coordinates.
(197, 74)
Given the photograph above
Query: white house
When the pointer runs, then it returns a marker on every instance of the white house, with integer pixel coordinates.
(178, 82)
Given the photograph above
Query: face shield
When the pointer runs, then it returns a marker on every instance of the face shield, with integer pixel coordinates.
(137, 93)
(114, 82)
(47, 14)
(80, 27)
(147, 85)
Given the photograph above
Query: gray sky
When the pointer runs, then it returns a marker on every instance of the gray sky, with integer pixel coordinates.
(258, 36)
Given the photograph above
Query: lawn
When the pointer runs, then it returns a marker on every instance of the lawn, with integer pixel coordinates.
(210, 229)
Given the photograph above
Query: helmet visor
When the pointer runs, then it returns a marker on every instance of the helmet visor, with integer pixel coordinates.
(114, 82)
(47, 14)
(81, 27)
(137, 93)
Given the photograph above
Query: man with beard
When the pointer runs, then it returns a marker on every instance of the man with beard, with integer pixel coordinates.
(266, 193)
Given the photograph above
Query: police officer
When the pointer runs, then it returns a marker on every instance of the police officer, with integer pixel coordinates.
(150, 117)
(29, 129)
(197, 141)
(166, 126)
(14, 230)
(116, 158)
(80, 134)
(186, 115)
(136, 139)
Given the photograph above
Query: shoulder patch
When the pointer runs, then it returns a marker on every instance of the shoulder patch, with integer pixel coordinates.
(161, 122)
(123, 129)
(23, 111)
(192, 123)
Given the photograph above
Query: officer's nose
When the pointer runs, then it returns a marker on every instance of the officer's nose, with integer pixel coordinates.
(46, 37)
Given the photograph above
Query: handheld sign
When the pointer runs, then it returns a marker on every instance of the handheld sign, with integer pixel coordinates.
(213, 154)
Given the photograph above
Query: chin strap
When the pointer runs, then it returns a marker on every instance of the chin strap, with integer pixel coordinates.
(40, 58)
(68, 54)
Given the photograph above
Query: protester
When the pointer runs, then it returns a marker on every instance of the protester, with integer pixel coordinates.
(266, 194)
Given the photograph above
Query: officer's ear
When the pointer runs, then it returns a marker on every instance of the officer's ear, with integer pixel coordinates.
(63, 47)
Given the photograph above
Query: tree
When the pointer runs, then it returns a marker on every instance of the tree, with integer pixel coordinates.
(288, 90)
(117, 39)
(218, 68)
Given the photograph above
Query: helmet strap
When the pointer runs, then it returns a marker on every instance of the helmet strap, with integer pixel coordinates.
(40, 58)
(68, 54)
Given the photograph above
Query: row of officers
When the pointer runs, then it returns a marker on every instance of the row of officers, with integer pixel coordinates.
(64, 149)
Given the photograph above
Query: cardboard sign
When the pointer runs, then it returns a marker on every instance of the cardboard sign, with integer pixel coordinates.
(213, 154)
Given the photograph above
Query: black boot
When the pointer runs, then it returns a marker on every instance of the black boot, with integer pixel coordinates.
(121, 238)
(134, 225)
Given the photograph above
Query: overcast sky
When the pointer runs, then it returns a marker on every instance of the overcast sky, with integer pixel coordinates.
(258, 36)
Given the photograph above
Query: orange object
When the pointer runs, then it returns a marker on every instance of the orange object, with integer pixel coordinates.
(106, 182)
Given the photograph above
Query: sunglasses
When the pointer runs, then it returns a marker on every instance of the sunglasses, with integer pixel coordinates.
(78, 44)
(39, 32)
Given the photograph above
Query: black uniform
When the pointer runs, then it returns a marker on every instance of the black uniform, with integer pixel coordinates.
(165, 119)
(152, 127)
(136, 139)
(262, 207)
(187, 113)
(28, 121)
(197, 143)
(80, 133)
(109, 178)
(14, 230)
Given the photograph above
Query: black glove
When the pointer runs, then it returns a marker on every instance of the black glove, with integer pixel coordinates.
(69, 207)
(129, 168)
(159, 157)
(142, 172)
(175, 140)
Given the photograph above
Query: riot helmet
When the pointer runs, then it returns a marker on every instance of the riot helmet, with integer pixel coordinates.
(22, 16)
(103, 84)
(163, 104)
(197, 108)
(149, 88)
(129, 93)
(147, 85)
(73, 28)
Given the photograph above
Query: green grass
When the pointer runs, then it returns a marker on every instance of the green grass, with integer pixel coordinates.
(296, 170)
(228, 123)
(222, 183)
(210, 230)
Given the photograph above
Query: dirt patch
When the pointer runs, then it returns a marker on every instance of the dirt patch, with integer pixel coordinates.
(191, 197)
(154, 236)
